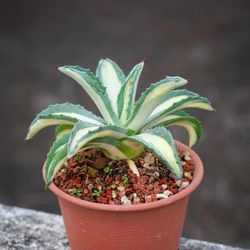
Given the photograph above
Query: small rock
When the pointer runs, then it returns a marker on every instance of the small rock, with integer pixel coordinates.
(133, 180)
(161, 196)
(75, 170)
(148, 198)
(188, 176)
(150, 187)
(121, 194)
(100, 163)
(178, 183)
(93, 172)
(156, 174)
(109, 192)
(156, 184)
(149, 158)
(98, 180)
(114, 194)
(151, 179)
(167, 193)
(187, 156)
(118, 178)
(120, 188)
(125, 201)
(90, 186)
(136, 199)
(146, 165)
(85, 191)
(184, 184)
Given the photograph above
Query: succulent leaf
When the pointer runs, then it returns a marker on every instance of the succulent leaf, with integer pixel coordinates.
(151, 98)
(177, 100)
(126, 97)
(91, 84)
(56, 157)
(159, 141)
(63, 129)
(82, 134)
(112, 77)
(181, 118)
(65, 113)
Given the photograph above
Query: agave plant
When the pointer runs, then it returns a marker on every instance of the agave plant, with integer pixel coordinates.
(127, 125)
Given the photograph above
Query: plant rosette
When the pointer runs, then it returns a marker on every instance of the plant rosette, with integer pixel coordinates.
(122, 181)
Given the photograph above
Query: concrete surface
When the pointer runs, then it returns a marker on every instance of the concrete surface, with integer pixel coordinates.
(26, 229)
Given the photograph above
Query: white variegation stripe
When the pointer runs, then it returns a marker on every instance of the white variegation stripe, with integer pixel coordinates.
(79, 117)
(108, 75)
(197, 104)
(80, 134)
(167, 104)
(126, 97)
(62, 114)
(60, 148)
(43, 123)
(179, 118)
(193, 137)
(63, 132)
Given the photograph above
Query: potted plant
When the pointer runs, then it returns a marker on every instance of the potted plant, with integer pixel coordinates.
(122, 181)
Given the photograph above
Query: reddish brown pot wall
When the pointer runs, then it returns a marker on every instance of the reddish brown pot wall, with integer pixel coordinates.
(157, 225)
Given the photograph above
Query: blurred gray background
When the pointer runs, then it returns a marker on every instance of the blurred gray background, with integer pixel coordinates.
(206, 42)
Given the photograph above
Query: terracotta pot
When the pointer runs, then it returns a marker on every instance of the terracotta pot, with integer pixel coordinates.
(157, 225)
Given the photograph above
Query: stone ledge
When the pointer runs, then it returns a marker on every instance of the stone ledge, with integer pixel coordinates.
(25, 229)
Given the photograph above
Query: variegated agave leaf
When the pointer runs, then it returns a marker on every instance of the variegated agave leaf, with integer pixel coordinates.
(91, 84)
(112, 77)
(65, 113)
(177, 100)
(126, 97)
(56, 157)
(182, 119)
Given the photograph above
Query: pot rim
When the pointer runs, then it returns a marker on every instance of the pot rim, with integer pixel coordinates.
(198, 175)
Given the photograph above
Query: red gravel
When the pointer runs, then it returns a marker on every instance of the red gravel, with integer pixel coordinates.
(92, 177)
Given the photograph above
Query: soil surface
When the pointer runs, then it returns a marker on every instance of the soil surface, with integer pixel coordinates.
(93, 177)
